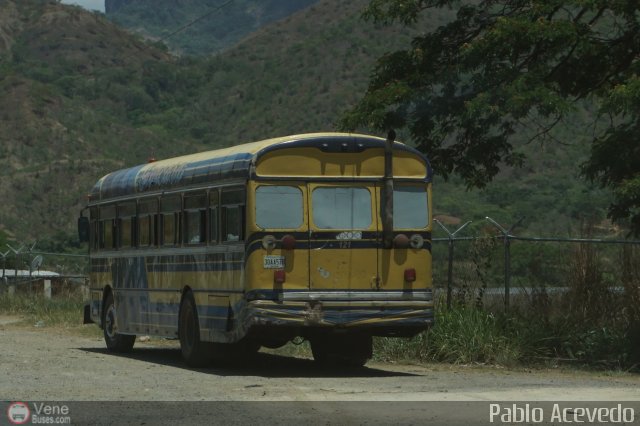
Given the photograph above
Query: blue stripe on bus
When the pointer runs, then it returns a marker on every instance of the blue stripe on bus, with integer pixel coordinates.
(196, 267)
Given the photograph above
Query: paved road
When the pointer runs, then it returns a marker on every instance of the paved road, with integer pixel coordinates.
(51, 365)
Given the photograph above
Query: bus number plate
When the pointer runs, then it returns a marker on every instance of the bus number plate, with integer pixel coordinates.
(274, 262)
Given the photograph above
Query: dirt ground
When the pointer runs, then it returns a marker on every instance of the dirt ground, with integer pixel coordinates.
(54, 364)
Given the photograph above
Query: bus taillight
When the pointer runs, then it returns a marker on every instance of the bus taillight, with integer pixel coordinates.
(410, 275)
(288, 242)
(279, 276)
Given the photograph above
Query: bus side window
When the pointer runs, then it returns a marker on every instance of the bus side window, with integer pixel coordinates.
(126, 224)
(195, 218)
(213, 216)
(107, 234)
(94, 229)
(106, 227)
(169, 230)
(233, 209)
(144, 233)
(170, 212)
(147, 210)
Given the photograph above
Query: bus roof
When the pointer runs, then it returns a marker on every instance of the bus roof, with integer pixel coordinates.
(231, 163)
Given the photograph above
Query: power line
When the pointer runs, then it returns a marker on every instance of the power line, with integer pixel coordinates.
(184, 27)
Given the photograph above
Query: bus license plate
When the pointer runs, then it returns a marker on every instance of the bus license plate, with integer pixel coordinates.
(274, 262)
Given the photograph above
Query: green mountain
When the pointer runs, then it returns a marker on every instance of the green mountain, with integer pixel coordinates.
(66, 91)
(80, 97)
(209, 26)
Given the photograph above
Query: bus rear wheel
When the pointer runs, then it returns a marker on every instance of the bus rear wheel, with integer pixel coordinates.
(341, 350)
(115, 341)
(195, 352)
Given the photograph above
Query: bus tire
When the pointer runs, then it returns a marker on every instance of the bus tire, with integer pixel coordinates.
(195, 352)
(341, 350)
(115, 341)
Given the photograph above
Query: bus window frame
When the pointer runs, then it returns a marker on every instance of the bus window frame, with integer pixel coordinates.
(240, 206)
(107, 219)
(176, 215)
(152, 215)
(201, 211)
(126, 211)
(428, 199)
(373, 200)
(303, 200)
(213, 211)
(94, 228)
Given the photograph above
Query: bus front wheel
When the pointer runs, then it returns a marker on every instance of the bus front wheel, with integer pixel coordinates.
(341, 350)
(195, 352)
(115, 341)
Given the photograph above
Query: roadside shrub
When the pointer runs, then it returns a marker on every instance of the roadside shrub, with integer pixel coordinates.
(460, 335)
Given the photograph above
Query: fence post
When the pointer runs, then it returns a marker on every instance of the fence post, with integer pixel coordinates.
(11, 289)
(85, 289)
(4, 262)
(452, 236)
(17, 265)
(506, 235)
(47, 289)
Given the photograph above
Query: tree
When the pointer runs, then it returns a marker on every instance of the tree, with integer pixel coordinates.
(501, 68)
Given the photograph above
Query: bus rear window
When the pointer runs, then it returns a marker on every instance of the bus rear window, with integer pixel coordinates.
(341, 208)
(410, 210)
(279, 207)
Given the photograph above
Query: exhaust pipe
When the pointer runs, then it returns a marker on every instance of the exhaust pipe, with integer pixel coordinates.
(387, 192)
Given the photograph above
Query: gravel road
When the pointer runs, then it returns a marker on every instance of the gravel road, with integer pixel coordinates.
(51, 364)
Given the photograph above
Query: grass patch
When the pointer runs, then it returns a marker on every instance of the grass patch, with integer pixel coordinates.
(63, 311)
(461, 335)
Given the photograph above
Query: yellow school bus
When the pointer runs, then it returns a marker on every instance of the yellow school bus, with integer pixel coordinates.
(323, 236)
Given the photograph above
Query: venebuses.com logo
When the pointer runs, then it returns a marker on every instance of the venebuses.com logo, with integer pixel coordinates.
(18, 413)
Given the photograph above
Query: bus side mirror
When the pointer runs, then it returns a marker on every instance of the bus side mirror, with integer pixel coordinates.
(83, 229)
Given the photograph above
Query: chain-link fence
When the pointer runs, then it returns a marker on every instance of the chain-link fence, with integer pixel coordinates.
(500, 267)
(26, 270)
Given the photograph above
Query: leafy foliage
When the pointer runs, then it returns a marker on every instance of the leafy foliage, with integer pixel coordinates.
(503, 71)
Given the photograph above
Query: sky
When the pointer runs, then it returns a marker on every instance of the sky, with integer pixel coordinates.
(87, 4)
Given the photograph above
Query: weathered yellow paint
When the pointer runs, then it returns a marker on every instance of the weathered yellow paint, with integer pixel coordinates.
(311, 162)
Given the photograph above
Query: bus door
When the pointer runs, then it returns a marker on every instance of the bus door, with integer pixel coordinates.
(342, 237)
